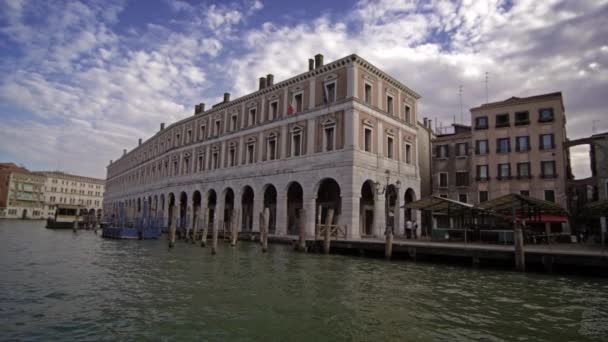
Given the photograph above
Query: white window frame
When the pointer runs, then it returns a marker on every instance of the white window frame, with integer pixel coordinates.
(326, 126)
(371, 93)
(293, 100)
(272, 116)
(270, 151)
(408, 114)
(217, 127)
(232, 160)
(335, 92)
(203, 130)
(297, 131)
(252, 113)
(390, 109)
(408, 153)
(233, 122)
(371, 139)
(390, 147)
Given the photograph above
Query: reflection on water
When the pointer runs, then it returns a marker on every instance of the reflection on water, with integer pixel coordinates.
(57, 285)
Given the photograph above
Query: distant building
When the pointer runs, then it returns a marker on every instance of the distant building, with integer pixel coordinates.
(63, 188)
(452, 171)
(425, 139)
(21, 193)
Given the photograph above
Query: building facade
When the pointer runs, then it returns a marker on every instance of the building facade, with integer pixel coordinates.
(340, 136)
(452, 177)
(63, 188)
(21, 193)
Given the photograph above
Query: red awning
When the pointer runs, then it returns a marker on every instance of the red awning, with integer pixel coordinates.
(550, 218)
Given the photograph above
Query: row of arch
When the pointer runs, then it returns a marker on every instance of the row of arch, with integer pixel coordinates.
(328, 195)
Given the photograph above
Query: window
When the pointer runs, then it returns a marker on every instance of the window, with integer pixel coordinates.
(482, 172)
(274, 109)
(503, 145)
(367, 137)
(296, 143)
(232, 156)
(462, 149)
(481, 147)
(522, 144)
(329, 96)
(216, 131)
(408, 114)
(550, 195)
(177, 139)
(442, 151)
(215, 160)
(523, 170)
(522, 118)
(389, 147)
(297, 99)
(272, 149)
(389, 105)
(443, 179)
(175, 168)
(252, 117)
(188, 137)
(329, 138)
(483, 196)
(546, 142)
(368, 93)
(203, 133)
(481, 122)
(463, 198)
(504, 171)
(462, 178)
(547, 169)
(525, 193)
(545, 115)
(408, 153)
(233, 126)
(186, 169)
(502, 120)
(250, 153)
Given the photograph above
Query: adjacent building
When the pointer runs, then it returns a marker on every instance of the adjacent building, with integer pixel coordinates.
(63, 188)
(452, 164)
(21, 193)
(340, 137)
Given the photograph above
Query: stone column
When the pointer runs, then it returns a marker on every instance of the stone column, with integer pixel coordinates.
(310, 136)
(313, 93)
(285, 101)
(281, 213)
(283, 143)
(379, 212)
(350, 215)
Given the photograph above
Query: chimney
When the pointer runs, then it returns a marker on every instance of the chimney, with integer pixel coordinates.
(199, 108)
(110, 161)
(318, 60)
(311, 64)
(430, 126)
(269, 80)
(162, 126)
(124, 152)
(262, 83)
(226, 97)
(139, 143)
(426, 122)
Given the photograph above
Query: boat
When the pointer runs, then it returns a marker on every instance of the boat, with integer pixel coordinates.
(141, 228)
(64, 218)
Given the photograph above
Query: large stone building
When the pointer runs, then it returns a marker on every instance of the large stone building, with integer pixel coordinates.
(514, 146)
(339, 136)
(63, 188)
(21, 193)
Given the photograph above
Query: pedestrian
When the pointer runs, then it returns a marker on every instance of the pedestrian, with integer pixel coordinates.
(415, 229)
(408, 229)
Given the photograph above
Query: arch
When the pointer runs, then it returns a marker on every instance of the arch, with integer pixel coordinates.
(295, 203)
(211, 203)
(328, 197)
(196, 205)
(247, 209)
(138, 205)
(409, 196)
(170, 206)
(366, 208)
(270, 202)
(391, 203)
(228, 206)
(155, 206)
(183, 209)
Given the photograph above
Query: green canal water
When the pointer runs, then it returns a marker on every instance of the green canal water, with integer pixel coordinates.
(61, 286)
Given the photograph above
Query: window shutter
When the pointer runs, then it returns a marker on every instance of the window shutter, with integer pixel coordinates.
(447, 150)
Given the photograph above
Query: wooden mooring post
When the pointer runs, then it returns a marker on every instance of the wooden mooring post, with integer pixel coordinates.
(214, 240)
(520, 259)
(196, 223)
(301, 231)
(205, 227)
(388, 248)
(75, 224)
(264, 232)
(234, 230)
(172, 228)
(327, 235)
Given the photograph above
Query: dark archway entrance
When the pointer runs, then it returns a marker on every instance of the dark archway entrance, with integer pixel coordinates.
(196, 204)
(247, 208)
(211, 202)
(328, 197)
(270, 202)
(295, 203)
(228, 207)
(183, 210)
(171, 206)
(410, 196)
(366, 208)
(391, 206)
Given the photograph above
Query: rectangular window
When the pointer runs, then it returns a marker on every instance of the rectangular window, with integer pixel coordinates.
(368, 93)
(189, 137)
(463, 198)
(550, 195)
(525, 193)
(329, 138)
(522, 144)
(232, 157)
(482, 172)
(201, 163)
(389, 105)
(545, 115)
(274, 109)
(233, 123)
(523, 170)
(216, 160)
(367, 144)
(481, 147)
(408, 153)
(408, 114)
(272, 149)
(502, 120)
(443, 179)
(389, 148)
(504, 171)
(298, 100)
(177, 139)
(330, 92)
(483, 196)
(252, 117)
(546, 142)
(250, 153)
(217, 128)
(462, 149)
(522, 118)
(442, 151)
(548, 169)
(503, 145)
(297, 144)
(481, 122)
(462, 178)
(203, 133)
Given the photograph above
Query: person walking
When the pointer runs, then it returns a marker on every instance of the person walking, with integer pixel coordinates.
(415, 230)
(408, 229)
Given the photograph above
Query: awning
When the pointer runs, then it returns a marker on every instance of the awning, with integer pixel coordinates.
(596, 209)
(547, 218)
(439, 204)
(523, 205)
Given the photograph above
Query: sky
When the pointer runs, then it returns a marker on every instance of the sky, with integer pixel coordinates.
(82, 80)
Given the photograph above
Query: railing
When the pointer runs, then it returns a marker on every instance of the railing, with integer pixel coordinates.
(335, 231)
